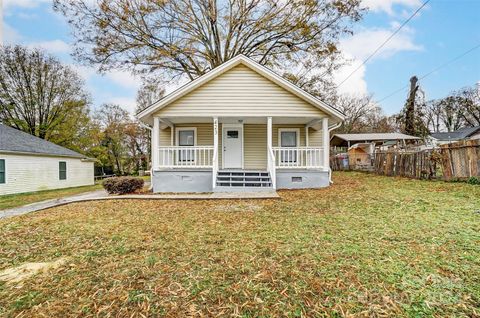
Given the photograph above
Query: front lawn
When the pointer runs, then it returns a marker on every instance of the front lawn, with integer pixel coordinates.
(15, 200)
(367, 246)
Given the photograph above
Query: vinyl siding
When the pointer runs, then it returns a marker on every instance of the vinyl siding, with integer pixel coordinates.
(254, 143)
(315, 138)
(28, 173)
(240, 92)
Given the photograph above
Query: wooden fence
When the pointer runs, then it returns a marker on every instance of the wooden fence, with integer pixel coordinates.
(459, 160)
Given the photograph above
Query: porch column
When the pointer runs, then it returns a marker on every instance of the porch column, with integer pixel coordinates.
(155, 142)
(326, 144)
(269, 132)
(215, 152)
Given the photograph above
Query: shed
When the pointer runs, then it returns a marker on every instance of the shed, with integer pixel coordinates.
(347, 140)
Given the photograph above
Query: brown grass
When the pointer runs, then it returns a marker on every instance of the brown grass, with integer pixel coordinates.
(367, 246)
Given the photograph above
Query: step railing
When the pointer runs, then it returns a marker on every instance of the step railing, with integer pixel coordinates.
(271, 167)
(186, 157)
(299, 157)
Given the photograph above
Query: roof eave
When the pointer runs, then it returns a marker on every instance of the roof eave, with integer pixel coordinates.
(143, 115)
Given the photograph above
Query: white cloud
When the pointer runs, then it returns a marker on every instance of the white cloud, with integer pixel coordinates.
(358, 47)
(124, 79)
(126, 103)
(356, 84)
(53, 46)
(387, 5)
(10, 35)
(364, 43)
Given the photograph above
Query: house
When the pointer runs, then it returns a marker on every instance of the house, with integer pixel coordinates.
(28, 163)
(466, 133)
(380, 139)
(240, 127)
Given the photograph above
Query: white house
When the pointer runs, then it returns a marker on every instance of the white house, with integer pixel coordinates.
(28, 163)
(240, 127)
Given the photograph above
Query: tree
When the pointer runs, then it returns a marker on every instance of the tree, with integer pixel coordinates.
(190, 37)
(113, 121)
(412, 119)
(39, 95)
(471, 99)
(362, 115)
(150, 92)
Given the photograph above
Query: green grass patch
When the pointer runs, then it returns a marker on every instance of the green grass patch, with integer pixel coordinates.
(367, 246)
(15, 200)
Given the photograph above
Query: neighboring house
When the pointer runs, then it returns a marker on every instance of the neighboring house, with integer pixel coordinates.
(466, 133)
(240, 127)
(380, 139)
(28, 163)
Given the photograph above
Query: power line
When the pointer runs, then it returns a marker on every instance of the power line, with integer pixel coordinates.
(385, 42)
(432, 71)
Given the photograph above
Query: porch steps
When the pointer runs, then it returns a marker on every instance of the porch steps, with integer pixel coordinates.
(230, 180)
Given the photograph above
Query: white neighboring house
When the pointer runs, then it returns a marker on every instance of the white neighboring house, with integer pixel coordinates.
(240, 127)
(28, 163)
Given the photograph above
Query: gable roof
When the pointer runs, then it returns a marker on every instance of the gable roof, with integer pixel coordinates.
(339, 139)
(258, 68)
(459, 134)
(14, 140)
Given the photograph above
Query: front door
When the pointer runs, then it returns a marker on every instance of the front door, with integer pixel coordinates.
(232, 147)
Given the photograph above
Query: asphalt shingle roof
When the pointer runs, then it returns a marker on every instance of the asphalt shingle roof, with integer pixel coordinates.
(14, 140)
(459, 134)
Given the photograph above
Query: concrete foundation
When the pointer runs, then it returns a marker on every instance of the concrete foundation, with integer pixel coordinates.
(182, 181)
(302, 179)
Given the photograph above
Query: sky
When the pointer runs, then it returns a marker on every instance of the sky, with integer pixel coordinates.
(440, 32)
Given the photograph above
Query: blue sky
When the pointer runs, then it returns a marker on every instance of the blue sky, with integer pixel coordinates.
(441, 31)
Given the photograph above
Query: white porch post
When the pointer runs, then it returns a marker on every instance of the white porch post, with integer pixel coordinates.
(155, 142)
(326, 144)
(270, 155)
(215, 152)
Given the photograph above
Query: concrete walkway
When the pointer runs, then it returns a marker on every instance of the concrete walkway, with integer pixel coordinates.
(102, 195)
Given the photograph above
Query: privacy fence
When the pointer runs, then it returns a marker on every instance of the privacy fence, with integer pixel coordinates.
(455, 161)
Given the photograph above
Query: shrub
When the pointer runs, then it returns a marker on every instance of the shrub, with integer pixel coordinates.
(474, 180)
(122, 185)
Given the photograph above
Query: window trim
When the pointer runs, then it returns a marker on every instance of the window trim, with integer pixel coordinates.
(296, 130)
(177, 135)
(60, 171)
(4, 171)
(297, 141)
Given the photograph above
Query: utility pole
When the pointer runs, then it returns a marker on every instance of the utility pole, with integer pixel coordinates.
(410, 107)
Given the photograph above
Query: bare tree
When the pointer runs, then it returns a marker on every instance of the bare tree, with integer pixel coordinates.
(191, 37)
(356, 109)
(471, 98)
(150, 92)
(38, 94)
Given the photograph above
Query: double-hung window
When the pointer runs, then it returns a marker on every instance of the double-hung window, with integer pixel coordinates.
(62, 170)
(186, 138)
(289, 138)
(3, 176)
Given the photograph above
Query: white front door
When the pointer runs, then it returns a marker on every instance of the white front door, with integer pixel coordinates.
(232, 147)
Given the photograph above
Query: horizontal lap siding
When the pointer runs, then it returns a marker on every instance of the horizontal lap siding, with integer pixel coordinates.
(255, 146)
(315, 138)
(26, 173)
(240, 92)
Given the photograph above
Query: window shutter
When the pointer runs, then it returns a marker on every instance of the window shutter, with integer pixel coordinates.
(62, 170)
(2, 170)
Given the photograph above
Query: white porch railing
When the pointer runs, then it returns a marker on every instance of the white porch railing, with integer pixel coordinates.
(186, 157)
(271, 167)
(299, 157)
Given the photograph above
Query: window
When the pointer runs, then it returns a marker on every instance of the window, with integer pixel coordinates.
(2, 171)
(186, 138)
(232, 134)
(62, 170)
(289, 138)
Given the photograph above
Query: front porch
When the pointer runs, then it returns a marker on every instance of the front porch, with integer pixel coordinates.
(230, 153)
